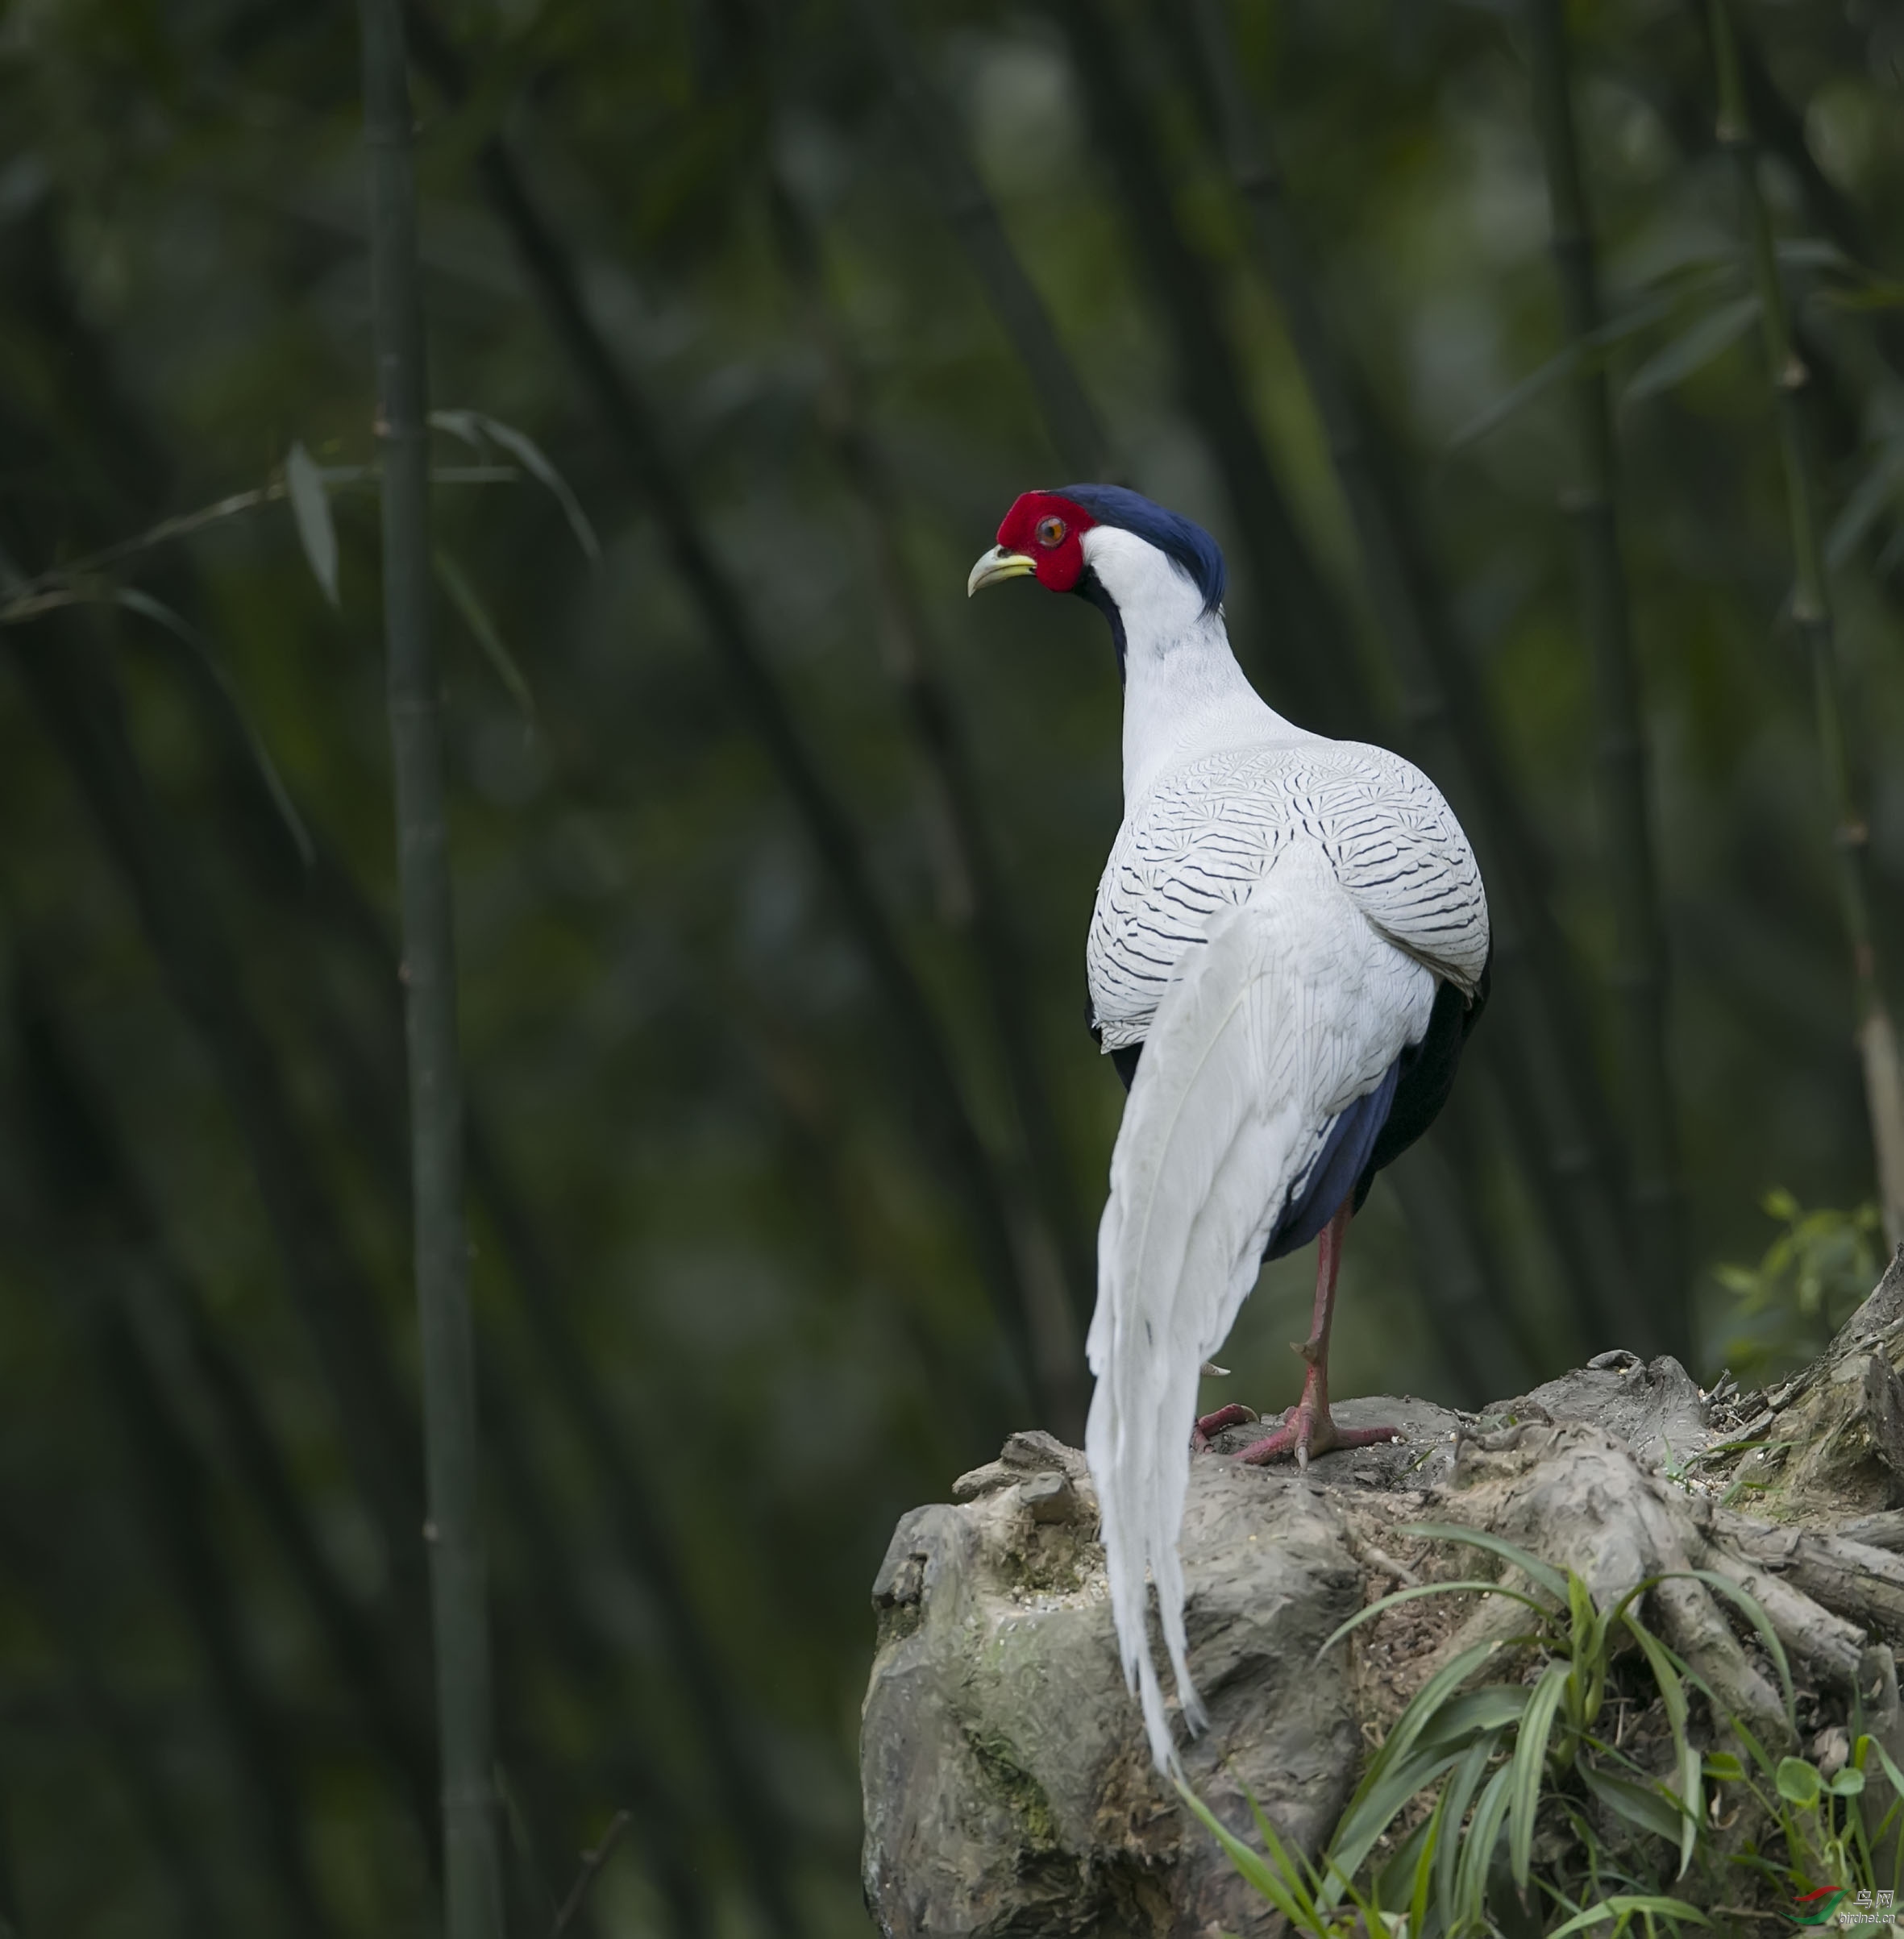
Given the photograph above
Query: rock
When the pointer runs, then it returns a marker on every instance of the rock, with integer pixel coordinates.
(1656, 1408)
(1007, 1786)
(1834, 1443)
(998, 1728)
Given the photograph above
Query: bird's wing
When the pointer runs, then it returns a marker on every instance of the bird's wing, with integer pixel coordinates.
(1401, 856)
(1294, 1007)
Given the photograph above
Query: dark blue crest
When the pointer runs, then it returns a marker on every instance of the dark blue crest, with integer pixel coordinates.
(1196, 554)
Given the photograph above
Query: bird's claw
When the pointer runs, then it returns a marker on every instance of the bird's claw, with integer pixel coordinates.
(1229, 1416)
(1309, 1430)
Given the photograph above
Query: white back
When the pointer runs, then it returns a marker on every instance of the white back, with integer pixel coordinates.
(1272, 924)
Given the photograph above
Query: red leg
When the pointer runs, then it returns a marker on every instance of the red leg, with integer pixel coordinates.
(1307, 1428)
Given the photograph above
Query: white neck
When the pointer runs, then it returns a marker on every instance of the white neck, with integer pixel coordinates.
(1184, 695)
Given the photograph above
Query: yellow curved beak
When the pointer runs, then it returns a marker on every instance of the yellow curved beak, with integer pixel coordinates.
(997, 564)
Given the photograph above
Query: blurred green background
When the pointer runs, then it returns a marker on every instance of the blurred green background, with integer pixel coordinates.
(746, 1290)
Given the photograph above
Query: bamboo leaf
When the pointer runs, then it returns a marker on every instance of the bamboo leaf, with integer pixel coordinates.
(209, 664)
(1590, 354)
(1714, 332)
(468, 602)
(473, 426)
(1881, 485)
(310, 508)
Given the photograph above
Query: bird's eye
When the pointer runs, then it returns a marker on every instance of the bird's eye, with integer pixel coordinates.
(1050, 531)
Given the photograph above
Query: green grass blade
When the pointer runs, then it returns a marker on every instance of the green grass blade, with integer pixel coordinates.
(1478, 1587)
(1553, 1581)
(1423, 1709)
(1369, 1815)
(1275, 1877)
(1457, 1794)
(1477, 1850)
(1529, 1767)
(1492, 1707)
(1624, 1907)
(1427, 1867)
(1644, 1806)
(1673, 1694)
(1754, 1612)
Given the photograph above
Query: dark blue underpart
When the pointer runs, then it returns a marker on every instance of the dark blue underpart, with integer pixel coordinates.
(1196, 553)
(1345, 1151)
(1375, 1130)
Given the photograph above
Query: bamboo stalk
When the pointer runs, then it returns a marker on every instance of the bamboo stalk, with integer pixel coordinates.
(762, 1842)
(1579, 1236)
(544, 1615)
(78, 703)
(453, 1533)
(917, 1034)
(1071, 421)
(257, 1462)
(1305, 664)
(980, 905)
(1481, 1359)
(11, 1926)
(1540, 1073)
(555, 1619)
(1639, 974)
(171, 1483)
(346, 917)
(1812, 621)
(65, 1612)
(1546, 1085)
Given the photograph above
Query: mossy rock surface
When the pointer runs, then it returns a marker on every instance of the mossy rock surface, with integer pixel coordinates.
(1008, 1788)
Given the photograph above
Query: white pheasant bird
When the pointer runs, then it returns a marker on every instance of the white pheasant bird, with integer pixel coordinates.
(1289, 948)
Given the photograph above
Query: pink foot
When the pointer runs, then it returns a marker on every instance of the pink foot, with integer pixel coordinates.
(1308, 1429)
(1215, 1423)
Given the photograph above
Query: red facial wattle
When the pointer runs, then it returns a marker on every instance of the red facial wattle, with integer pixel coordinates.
(1050, 530)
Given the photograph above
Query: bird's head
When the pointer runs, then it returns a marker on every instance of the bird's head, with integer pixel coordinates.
(1130, 558)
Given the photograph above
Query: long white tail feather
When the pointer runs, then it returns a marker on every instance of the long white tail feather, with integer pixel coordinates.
(1294, 1005)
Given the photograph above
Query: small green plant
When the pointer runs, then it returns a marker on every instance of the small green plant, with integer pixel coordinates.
(1503, 1807)
(1810, 1281)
